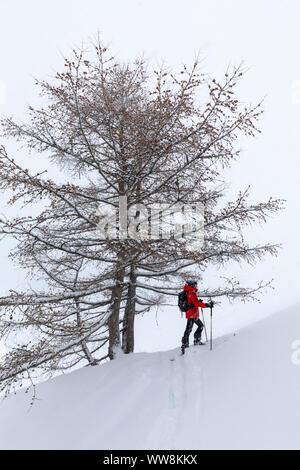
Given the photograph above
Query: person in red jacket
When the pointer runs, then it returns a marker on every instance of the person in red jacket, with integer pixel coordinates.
(192, 314)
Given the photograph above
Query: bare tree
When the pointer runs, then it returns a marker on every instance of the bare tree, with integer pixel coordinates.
(116, 132)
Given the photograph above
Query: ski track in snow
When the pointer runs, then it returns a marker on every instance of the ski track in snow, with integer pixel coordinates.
(242, 395)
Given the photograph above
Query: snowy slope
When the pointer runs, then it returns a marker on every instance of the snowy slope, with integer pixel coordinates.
(244, 394)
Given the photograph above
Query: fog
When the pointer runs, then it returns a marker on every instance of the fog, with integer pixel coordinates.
(264, 34)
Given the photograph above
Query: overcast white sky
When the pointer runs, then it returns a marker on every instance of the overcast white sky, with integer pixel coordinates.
(263, 33)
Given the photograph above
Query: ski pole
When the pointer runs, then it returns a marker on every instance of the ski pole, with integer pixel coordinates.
(211, 327)
(204, 325)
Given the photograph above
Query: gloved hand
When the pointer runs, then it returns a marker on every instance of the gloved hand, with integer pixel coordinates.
(210, 304)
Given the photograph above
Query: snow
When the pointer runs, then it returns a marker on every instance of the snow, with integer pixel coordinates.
(245, 394)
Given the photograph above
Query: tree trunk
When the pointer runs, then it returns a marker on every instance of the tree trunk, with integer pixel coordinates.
(85, 349)
(114, 318)
(129, 315)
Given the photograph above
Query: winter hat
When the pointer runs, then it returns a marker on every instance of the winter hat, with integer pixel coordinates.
(192, 282)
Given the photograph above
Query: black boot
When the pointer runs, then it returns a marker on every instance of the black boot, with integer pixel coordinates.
(198, 342)
(198, 332)
(184, 345)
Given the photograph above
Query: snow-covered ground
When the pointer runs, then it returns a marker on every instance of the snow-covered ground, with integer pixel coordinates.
(244, 394)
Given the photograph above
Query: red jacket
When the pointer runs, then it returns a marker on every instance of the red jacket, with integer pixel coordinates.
(193, 299)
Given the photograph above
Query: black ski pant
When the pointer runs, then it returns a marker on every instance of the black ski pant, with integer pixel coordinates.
(188, 330)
